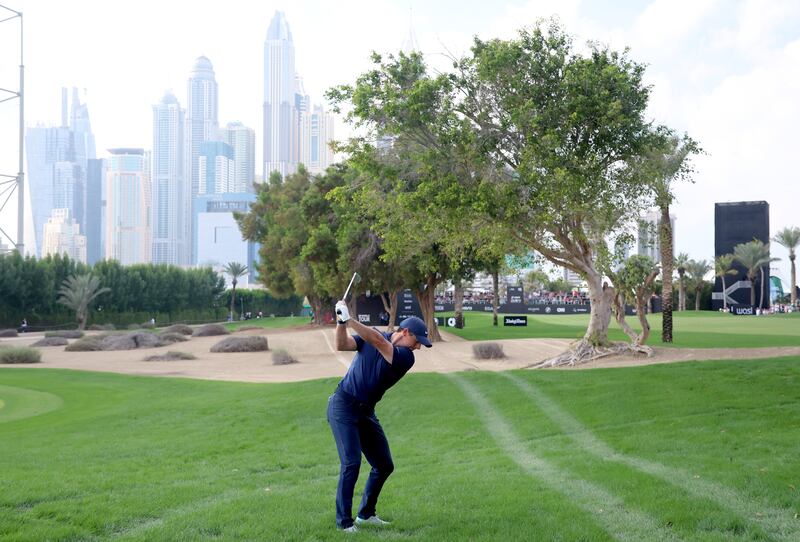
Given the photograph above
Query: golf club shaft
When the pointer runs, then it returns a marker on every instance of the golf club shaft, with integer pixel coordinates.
(348, 286)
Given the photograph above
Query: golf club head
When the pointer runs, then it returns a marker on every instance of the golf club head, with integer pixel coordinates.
(354, 280)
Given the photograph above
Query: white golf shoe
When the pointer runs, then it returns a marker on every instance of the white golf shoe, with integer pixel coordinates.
(373, 520)
(351, 529)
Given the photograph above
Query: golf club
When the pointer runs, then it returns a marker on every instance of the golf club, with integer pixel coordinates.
(356, 278)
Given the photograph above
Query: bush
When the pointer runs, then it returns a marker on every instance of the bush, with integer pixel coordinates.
(134, 326)
(280, 356)
(8, 333)
(102, 327)
(172, 337)
(66, 333)
(89, 343)
(148, 325)
(210, 330)
(488, 351)
(51, 341)
(131, 341)
(241, 344)
(178, 328)
(20, 354)
(171, 355)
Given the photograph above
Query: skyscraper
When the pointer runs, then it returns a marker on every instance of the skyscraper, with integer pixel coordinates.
(170, 190)
(243, 142)
(280, 111)
(95, 205)
(216, 168)
(62, 235)
(128, 206)
(317, 132)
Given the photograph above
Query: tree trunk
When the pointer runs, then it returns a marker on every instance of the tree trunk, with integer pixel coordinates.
(752, 290)
(233, 298)
(496, 300)
(724, 297)
(458, 301)
(390, 306)
(697, 299)
(317, 307)
(600, 299)
(640, 313)
(681, 293)
(667, 258)
(793, 290)
(619, 311)
(426, 296)
(761, 297)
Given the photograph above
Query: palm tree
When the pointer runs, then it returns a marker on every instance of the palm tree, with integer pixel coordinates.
(78, 292)
(697, 270)
(790, 238)
(723, 265)
(669, 163)
(234, 270)
(680, 266)
(754, 255)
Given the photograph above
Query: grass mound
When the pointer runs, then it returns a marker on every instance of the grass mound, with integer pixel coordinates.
(19, 354)
(89, 343)
(8, 333)
(171, 355)
(132, 341)
(51, 341)
(172, 337)
(210, 330)
(488, 351)
(102, 327)
(183, 329)
(241, 344)
(281, 356)
(66, 333)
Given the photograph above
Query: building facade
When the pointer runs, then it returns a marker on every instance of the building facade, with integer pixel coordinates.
(243, 142)
(280, 111)
(95, 210)
(317, 134)
(170, 190)
(62, 235)
(216, 168)
(648, 239)
(128, 207)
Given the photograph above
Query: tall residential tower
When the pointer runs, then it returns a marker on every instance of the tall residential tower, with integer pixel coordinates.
(280, 111)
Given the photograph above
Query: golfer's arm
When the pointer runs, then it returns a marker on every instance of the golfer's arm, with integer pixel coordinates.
(373, 337)
(344, 342)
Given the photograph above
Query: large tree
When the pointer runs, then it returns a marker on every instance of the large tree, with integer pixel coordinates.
(680, 266)
(635, 284)
(723, 266)
(754, 255)
(234, 270)
(790, 238)
(697, 270)
(665, 165)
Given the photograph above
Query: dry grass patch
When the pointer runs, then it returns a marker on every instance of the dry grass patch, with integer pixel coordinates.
(172, 337)
(8, 333)
(66, 333)
(89, 343)
(488, 351)
(102, 327)
(281, 356)
(210, 330)
(242, 344)
(183, 329)
(19, 354)
(51, 341)
(171, 355)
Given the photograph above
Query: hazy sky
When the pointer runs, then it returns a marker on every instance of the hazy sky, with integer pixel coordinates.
(727, 72)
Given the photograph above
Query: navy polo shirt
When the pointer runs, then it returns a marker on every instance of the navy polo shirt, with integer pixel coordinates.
(370, 375)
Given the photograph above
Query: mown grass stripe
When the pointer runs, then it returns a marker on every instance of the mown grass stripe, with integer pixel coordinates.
(606, 508)
(777, 522)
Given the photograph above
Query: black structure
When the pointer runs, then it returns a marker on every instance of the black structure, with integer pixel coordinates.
(736, 223)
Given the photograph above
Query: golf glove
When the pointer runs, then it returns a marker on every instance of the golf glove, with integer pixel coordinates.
(342, 314)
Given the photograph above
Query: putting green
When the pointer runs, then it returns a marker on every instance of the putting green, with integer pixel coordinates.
(19, 403)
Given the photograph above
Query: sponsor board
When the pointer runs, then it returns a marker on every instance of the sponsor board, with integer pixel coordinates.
(742, 310)
(515, 320)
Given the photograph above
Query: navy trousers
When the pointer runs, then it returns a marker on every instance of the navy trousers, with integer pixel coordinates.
(356, 430)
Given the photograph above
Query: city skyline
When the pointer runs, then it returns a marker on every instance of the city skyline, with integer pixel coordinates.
(725, 72)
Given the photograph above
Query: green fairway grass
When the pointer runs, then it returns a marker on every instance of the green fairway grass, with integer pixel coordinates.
(703, 329)
(685, 451)
(268, 322)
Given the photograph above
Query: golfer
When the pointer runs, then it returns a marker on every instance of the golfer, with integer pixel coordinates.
(381, 360)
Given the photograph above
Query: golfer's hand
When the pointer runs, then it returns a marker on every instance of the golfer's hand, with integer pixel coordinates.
(342, 314)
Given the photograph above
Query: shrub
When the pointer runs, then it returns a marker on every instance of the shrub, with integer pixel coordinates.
(148, 325)
(488, 351)
(134, 326)
(20, 354)
(241, 344)
(210, 330)
(66, 333)
(51, 341)
(171, 355)
(280, 356)
(89, 343)
(102, 327)
(131, 341)
(172, 337)
(178, 328)
(8, 333)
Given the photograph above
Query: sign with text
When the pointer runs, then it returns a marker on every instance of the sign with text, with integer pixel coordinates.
(742, 310)
(515, 320)
(514, 294)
